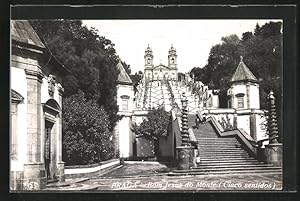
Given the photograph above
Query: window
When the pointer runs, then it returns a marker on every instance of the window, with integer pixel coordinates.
(14, 145)
(16, 98)
(240, 102)
(124, 104)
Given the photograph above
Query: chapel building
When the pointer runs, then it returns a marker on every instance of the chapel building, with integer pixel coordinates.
(160, 72)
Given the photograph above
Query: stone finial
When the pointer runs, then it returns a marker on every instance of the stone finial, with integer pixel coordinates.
(241, 58)
(271, 95)
(185, 141)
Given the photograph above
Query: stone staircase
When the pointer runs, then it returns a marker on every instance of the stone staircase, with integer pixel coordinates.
(223, 155)
(157, 93)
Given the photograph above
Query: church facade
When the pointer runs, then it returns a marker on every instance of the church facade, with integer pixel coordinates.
(160, 72)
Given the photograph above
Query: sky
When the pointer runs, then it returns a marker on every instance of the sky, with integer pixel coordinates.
(192, 39)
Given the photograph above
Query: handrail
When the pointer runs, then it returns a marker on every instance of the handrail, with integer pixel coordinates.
(193, 140)
(248, 141)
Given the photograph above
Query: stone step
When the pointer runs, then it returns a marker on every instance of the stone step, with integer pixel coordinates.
(234, 144)
(216, 147)
(236, 172)
(232, 166)
(221, 148)
(205, 134)
(222, 157)
(225, 163)
(222, 153)
(201, 150)
(223, 138)
(204, 155)
(214, 160)
(218, 142)
(207, 149)
(235, 168)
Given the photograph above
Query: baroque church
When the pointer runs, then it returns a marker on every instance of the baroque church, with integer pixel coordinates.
(161, 88)
(159, 72)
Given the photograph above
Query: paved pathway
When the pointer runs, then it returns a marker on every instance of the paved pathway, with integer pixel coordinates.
(153, 177)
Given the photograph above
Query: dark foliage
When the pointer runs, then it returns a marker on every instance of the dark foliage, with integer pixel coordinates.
(86, 138)
(262, 52)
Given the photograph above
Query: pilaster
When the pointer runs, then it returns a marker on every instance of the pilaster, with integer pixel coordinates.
(34, 169)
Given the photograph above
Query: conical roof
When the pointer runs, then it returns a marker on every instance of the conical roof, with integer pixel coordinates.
(123, 77)
(243, 73)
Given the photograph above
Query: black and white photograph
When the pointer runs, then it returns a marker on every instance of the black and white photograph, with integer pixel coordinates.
(146, 105)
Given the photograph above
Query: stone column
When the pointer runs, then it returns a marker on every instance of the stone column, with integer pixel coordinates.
(253, 131)
(235, 119)
(60, 163)
(34, 169)
(248, 95)
(273, 151)
(184, 151)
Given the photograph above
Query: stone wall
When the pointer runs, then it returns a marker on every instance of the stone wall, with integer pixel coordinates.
(30, 78)
(250, 120)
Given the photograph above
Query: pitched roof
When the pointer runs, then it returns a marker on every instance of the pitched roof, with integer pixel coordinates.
(243, 73)
(22, 31)
(15, 96)
(123, 77)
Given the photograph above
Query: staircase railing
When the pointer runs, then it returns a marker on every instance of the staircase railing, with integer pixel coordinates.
(247, 140)
(172, 99)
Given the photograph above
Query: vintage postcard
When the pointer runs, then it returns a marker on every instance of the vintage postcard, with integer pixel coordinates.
(154, 105)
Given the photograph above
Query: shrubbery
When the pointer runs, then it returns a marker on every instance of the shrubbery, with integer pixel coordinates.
(86, 136)
(154, 126)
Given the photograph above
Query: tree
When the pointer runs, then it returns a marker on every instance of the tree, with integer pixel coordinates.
(86, 137)
(153, 127)
(90, 58)
(262, 52)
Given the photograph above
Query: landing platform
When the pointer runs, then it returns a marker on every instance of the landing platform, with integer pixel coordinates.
(154, 177)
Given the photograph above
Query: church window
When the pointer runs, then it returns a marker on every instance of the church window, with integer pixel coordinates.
(125, 104)
(240, 102)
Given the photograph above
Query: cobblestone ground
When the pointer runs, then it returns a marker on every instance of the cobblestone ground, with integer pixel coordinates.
(150, 177)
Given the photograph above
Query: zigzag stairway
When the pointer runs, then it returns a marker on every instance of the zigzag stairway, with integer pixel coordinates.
(223, 155)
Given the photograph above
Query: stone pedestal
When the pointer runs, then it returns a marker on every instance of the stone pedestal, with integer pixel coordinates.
(193, 157)
(273, 154)
(34, 176)
(61, 171)
(184, 154)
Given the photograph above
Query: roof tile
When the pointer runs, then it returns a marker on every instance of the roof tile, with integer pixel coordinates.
(243, 73)
(123, 77)
(22, 31)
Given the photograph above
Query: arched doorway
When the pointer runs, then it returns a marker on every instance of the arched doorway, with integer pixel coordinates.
(52, 116)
